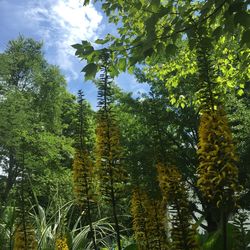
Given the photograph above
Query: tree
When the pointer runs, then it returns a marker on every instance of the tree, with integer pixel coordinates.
(32, 96)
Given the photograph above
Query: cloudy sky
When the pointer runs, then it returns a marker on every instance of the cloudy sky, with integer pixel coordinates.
(59, 24)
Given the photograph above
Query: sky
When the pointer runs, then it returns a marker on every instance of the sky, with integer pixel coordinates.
(60, 24)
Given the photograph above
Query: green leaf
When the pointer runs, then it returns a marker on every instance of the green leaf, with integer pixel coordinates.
(122, 64)
(77, 46)
(155, 5)
(148, 52)
(160, 48)
(217, 33)
(172, 100)
(113, 71)
(90, 71)
(183, 105)
(101, 41)
(86, 2)
(240, 92)
(235, 7)
(242, 18)
(131, 247)
(246, 38)
(171, 49)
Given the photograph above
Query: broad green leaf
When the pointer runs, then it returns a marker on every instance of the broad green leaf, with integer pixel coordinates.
(148, 52)
(77, 46)
(235, 7)
(90, 71)
(113, 71)
(122, 64)
(160, 48)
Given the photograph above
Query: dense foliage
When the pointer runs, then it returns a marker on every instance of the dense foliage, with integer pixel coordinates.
(166, 170)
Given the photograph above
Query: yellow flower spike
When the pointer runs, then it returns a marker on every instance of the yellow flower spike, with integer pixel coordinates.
(61, 244)
(217, 168)
(175, 194)
(25, 239)
(82, 177)
(148, 222)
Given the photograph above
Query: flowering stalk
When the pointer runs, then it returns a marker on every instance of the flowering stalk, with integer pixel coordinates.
(61, 243)
(24, 238)
(176, 196)
(148, 222)
(83, 170)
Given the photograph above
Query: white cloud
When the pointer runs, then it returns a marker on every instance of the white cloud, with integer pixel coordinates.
(62, 23)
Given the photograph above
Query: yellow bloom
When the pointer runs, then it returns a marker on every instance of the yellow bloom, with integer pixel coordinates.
(217, 170)
(175, 195)
(148, 222)
(82, 177)
(25, 239)
(61, 244)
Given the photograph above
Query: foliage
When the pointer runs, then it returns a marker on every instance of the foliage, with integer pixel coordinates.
(149, 31)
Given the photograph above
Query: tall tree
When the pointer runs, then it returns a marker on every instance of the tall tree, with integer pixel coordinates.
(32, 96)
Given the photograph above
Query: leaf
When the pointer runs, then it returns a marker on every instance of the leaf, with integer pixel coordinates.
(77, 46)
(217, 33)
(171, 49)
(246, 38)
(86, 2)
(242, 18)
(131, 247)
(240, 92)
(90, 71)
(150, 24)
(160, 48)
(148, 52)
(155, 4)
(101, 41)
(172, 100)
(235, 7)
(113, 71)
(122, 64)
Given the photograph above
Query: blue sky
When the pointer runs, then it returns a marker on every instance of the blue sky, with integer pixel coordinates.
(59, 24)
